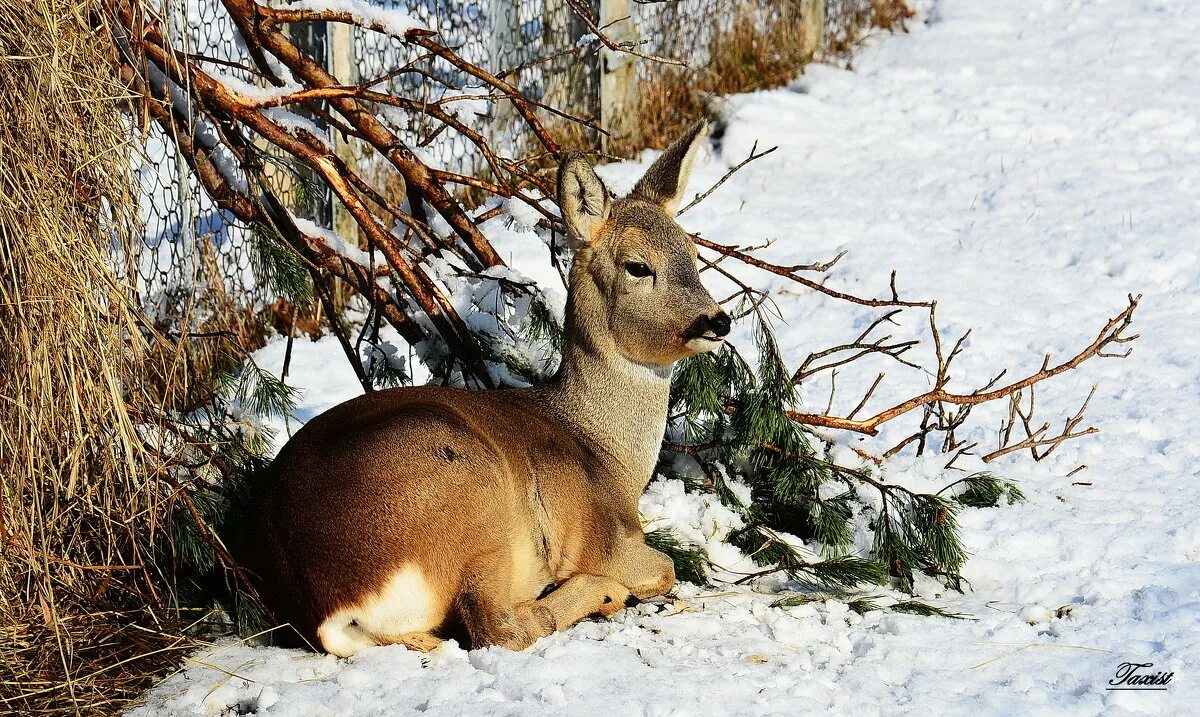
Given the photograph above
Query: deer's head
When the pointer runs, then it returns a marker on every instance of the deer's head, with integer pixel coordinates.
(634, 282)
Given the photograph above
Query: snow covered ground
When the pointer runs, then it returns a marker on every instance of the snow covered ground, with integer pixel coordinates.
(1028, 163)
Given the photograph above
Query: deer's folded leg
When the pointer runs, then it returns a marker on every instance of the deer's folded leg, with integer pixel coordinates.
(645, 570)
(519, 626)
(584, 595)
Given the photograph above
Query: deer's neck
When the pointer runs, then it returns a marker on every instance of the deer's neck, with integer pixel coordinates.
(617, 405)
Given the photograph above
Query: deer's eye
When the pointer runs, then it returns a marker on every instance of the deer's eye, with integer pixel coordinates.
(637, 269)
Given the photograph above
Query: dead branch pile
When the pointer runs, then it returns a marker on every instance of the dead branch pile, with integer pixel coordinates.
(214, 117)
(420, 307)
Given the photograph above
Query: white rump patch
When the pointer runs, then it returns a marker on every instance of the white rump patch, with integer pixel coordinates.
(342, 638)
(406, 604)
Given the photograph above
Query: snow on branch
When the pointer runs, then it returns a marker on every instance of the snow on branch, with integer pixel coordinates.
(336, 243)
(1111, 333)
(389, 21)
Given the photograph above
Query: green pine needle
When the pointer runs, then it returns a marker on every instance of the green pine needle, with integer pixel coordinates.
(861, 604)
(257, 391)
(278, 267)
(836, 573)
(987, 490)
(689, 559)
(864, 603)
(934, 528)
(916, 607)
(543, 328)
(736, 422)
(800, 599)
(842, 572)
(249, 619)
(383, 370)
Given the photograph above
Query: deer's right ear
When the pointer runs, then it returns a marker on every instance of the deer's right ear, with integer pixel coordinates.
(583, 199)
(664, 183)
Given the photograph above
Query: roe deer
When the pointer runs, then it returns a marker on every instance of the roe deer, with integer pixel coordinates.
(407, 514)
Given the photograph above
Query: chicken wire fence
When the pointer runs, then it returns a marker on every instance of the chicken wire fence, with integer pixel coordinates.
(191, 245)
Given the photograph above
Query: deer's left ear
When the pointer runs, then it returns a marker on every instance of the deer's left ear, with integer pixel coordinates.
(666, 180)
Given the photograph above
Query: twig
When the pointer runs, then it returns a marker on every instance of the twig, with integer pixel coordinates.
(608, 42)
(1034, 438)
(335, 325)
(732, 170)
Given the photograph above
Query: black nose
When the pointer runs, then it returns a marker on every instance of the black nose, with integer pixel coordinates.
(720, 324)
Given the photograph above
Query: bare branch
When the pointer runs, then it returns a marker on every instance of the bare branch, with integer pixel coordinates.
(866, 397)
(789, 272)
(1111, 333)
(1036, 438)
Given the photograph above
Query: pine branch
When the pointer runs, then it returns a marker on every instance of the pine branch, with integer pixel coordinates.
(689, 559)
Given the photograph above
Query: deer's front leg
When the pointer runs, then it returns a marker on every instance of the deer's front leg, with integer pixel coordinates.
(645, 571)
(584, 595)
(489, 622)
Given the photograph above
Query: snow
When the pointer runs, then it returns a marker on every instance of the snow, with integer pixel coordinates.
(297, 123)
(227, 164)
(334, 241)
(267, 93)
(1026, 163)
(521, 216)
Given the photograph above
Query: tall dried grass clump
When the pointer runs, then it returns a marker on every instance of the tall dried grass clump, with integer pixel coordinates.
(80, 495)
(765, 45)
(756, 51)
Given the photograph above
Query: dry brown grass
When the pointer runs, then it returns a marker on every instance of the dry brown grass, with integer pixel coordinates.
(81, 504)
(747, 57)
(885, 15)
(753, 54)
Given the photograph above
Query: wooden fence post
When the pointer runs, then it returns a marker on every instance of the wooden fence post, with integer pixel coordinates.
(618, 72)
(571, 83)
(343, 64)
(812, 16)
